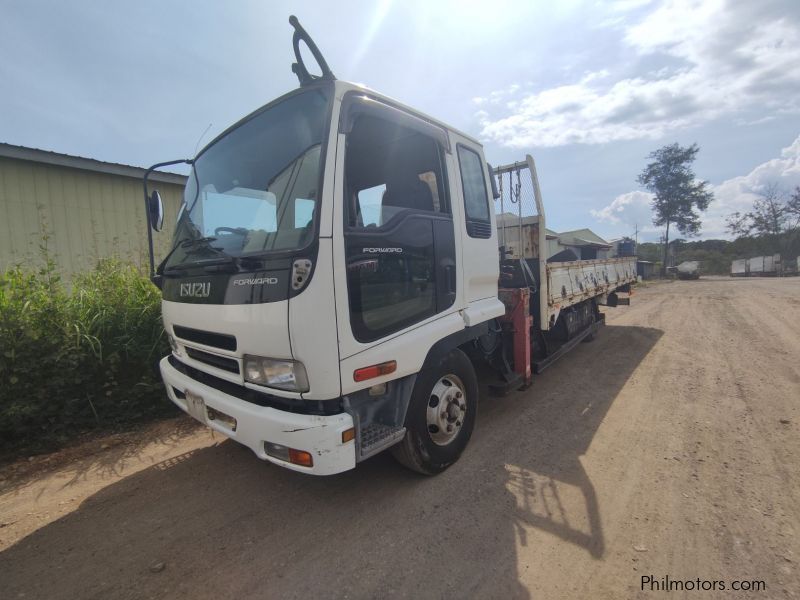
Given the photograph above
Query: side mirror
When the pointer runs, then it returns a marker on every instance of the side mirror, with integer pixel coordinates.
(495, 191)
(155, 206)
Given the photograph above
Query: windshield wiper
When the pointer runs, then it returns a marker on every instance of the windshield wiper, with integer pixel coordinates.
(221, 265)
(187, 243)
(211, 265)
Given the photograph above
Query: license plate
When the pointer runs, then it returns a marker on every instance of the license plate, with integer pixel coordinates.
(196, 406)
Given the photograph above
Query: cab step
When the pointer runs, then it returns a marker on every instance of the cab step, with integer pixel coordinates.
(376, 437)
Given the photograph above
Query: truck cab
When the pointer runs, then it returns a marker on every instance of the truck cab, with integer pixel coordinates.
(335, 274)
(331, 246)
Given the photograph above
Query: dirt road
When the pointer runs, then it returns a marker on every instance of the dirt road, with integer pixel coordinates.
(667, 447)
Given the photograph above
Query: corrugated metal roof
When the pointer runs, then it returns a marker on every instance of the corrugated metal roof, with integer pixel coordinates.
(87, 164)
(582, 242)
(581, 237)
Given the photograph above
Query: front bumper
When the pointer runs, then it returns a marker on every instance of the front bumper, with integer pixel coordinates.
(319, 435)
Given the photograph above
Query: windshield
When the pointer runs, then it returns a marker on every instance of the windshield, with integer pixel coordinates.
(255, 190)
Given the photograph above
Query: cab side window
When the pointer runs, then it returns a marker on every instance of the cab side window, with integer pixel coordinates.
(391, 170)
(399, 238)
(476, 196)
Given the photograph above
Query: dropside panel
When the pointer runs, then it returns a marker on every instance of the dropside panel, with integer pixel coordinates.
(573, 282)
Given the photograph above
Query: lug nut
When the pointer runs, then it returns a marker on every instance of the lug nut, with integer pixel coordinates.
(458, 423)
(449, 429)
(458, 394)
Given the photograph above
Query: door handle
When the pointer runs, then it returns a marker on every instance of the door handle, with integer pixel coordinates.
(450, 279)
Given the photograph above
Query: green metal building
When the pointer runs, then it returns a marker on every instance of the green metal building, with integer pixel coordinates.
(90, 209)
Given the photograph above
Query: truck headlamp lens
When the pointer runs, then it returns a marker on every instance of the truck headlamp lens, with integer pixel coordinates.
(281, 374)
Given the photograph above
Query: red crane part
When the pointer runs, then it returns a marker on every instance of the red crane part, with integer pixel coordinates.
(518, 316)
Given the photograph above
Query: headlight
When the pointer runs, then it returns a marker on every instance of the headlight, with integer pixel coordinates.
(281, 374)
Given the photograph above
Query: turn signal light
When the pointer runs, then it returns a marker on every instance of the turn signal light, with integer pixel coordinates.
(348, 435)
(296, 457)
(375, 371)
(300, 457)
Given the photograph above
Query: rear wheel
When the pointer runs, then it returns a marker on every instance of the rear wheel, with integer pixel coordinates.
(441, 415)
(591, 336)
(593, 319)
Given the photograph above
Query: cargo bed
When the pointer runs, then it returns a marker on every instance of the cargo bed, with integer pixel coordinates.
(572, 282)
(524, 237)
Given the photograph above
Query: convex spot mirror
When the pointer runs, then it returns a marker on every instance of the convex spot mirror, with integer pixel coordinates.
(156, 208)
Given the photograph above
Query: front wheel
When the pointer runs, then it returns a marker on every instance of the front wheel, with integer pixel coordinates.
(441, 415)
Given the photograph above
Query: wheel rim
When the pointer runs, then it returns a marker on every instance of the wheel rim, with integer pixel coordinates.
(447, 409)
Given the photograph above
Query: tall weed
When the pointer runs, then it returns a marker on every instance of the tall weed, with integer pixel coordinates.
(79, 359)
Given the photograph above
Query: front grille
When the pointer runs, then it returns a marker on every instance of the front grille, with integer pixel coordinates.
(221, 362)
(222, 341)
(303, 407)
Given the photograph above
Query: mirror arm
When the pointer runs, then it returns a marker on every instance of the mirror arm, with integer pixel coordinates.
(187, 161)
(495, 191)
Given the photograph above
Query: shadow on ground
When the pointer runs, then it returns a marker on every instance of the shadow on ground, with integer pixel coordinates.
(228, 525)
(104, 456)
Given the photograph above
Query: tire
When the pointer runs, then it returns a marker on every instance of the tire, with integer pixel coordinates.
(428, 447)
(592, 336)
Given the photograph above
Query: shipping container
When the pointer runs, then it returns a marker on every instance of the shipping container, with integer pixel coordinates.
(755, 266)
(739, 268)
(772, 264)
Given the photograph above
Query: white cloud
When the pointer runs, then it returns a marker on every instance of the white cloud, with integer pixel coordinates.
(724, 59)
(735, 194)
(631, 209)
(738, 193)
(626, 5)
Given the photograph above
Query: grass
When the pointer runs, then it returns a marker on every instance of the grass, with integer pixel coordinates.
(79, 359)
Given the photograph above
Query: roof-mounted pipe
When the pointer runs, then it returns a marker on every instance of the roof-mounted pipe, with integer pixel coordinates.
(299, 68)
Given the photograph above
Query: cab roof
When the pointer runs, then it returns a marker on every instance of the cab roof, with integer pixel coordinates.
(343, 87)
(340, 89)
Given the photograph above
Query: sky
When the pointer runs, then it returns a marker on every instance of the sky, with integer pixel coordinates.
(589, 89)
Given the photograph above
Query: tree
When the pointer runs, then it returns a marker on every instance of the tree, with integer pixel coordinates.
(675, 247)
(768, 217)
(794, 206)
(677, 191)
(774, 213)
(793, 210)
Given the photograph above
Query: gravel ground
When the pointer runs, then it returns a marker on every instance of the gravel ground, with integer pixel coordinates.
(668, 447)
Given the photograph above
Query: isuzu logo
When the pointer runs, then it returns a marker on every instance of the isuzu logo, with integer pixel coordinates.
(381, 250)
(256, 281)
(196, 290)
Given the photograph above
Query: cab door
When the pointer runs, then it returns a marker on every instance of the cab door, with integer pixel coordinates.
(399, 274)
(478, 233)
(400, 254)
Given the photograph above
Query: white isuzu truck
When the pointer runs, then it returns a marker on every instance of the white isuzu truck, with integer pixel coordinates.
(335, 277)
